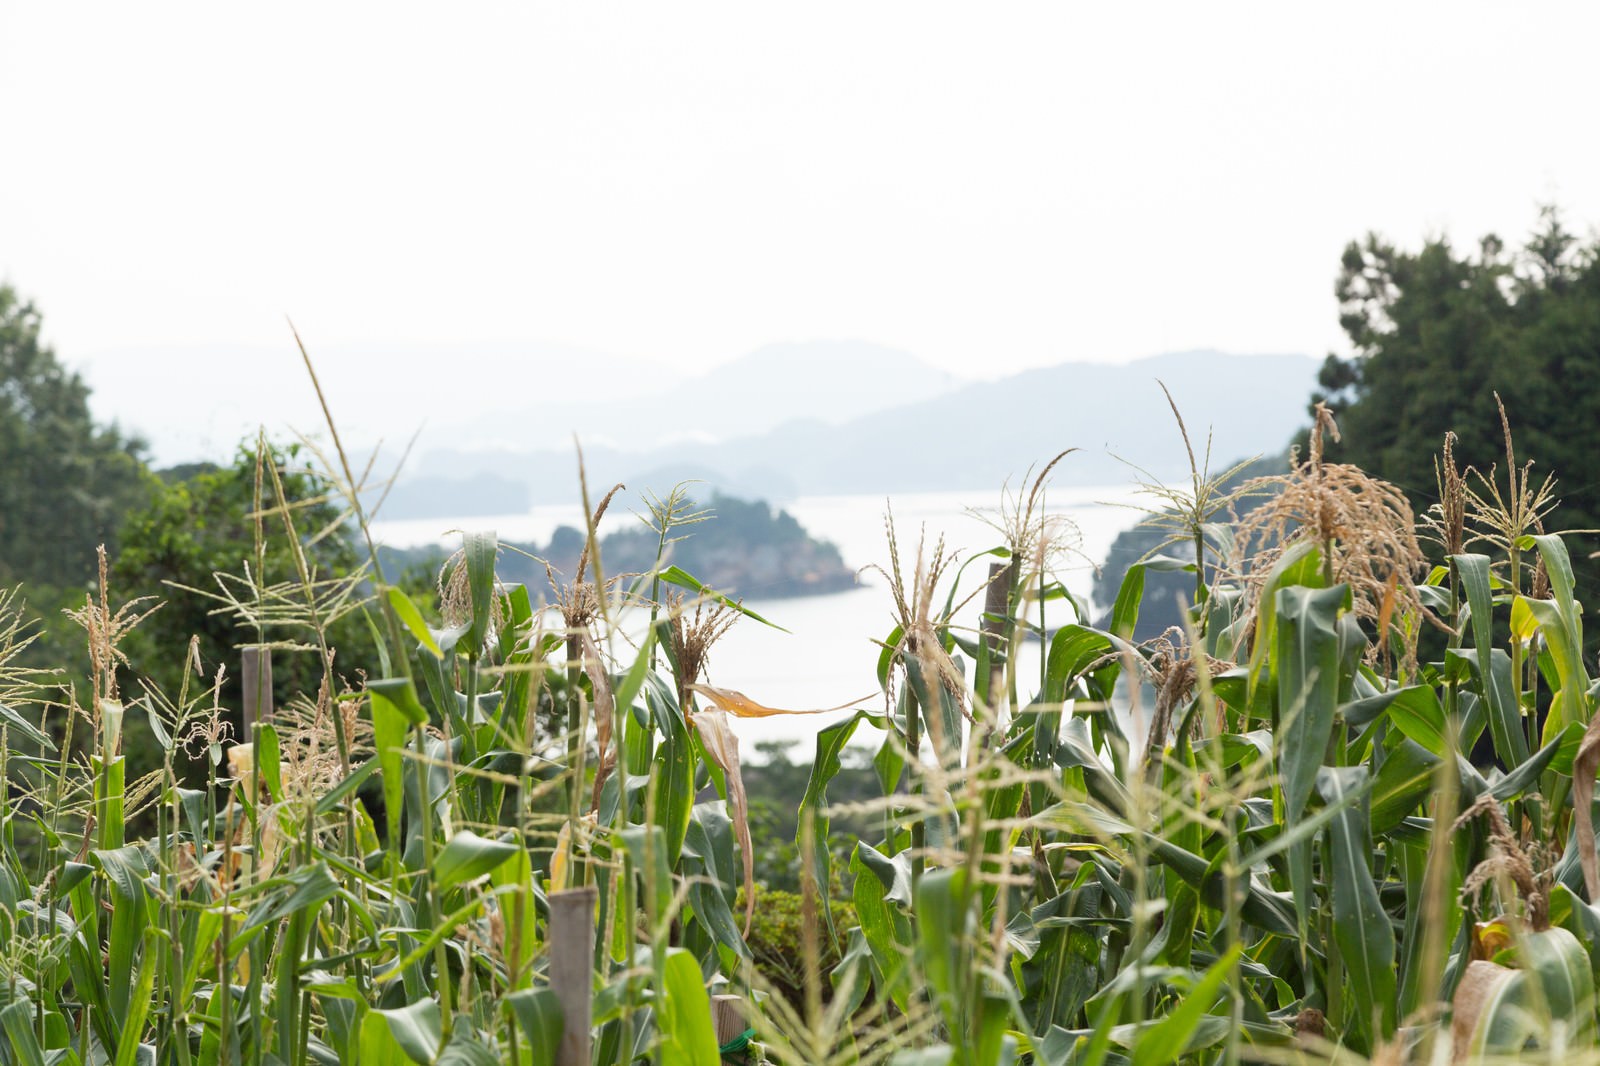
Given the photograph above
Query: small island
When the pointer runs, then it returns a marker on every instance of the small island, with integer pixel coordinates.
(744, 549)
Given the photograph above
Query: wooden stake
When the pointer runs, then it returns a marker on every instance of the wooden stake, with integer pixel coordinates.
(572, 968)
(255, 675)
(727, 1017)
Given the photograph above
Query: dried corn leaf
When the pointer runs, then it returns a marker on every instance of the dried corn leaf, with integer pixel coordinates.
(739, 705)
(1483, 985)
(1583, 779)
(723, 748)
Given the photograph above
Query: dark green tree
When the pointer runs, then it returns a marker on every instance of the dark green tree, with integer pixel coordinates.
(65, 482)
(1436, 334)
(198, 533)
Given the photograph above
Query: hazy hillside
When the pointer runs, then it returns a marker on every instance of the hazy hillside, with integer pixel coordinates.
(973, 437)
(832, 380)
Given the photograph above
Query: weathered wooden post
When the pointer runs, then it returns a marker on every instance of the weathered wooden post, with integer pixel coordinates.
(727, 1017)
(255, 675)
(572, 968)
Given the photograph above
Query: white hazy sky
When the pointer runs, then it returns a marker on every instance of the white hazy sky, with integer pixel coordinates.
(991, 186)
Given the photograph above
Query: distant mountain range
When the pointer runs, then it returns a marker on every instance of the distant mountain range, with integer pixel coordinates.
(830, 381)
(850, 417)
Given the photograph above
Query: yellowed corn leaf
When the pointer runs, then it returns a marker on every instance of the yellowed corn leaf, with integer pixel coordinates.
(1523, 623)
(558, 859)
(739, 705)
(1490, 938)
(723, 748)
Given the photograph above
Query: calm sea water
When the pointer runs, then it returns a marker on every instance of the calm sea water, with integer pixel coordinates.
(828, 657)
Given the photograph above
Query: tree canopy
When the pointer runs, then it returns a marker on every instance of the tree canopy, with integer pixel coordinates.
(197, 532)
(64, 481)
(1438, 333)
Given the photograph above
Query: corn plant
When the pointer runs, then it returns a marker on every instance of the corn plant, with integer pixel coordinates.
(1345, 814)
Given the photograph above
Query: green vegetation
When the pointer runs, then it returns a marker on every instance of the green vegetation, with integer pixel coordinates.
(492, 830)
(69, 479)
(1170, 589)
(1439, 333)
(65, 482)
(1256, 860)
(188, 549)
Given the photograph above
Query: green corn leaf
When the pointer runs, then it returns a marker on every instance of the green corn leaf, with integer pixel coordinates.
(1508, 1011)
(633, 840)
(1404, 780)
(401, 694)
(1130, 595)
(268, 763)
(467, 1048)
(1557, 751)
(126, 868)
(466, 856)
(940, 709)
(538, 1014)
(628, 690)
(943, 908)
(412, 619)
(139, 1004)
(479, 551)
(518, 652)
(1267, 911)
(305, 889)
(25, 728)
(414, 1031)
(17, 1021)
(1360, 926)
(1563, 636)
(390, 723)
(1417, 713)
(674, 765)
(431, 938)
(886, 928)
(1167, 1040)
(708, 865)
(674, 575)
(69, 875)
(813, 805)
(1306, 663)
(687, 1038)
(1307, 827)
(1499, 693)
(1300, 566)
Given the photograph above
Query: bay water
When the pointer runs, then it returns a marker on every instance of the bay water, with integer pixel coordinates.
(828, 656)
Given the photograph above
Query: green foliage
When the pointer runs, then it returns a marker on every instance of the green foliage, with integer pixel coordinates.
(189, 548)
(1165, 590)
(1281, 850)
(1437, 333)
(779, 935)
(776, 782)
(1266, 852)
(65, 482)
